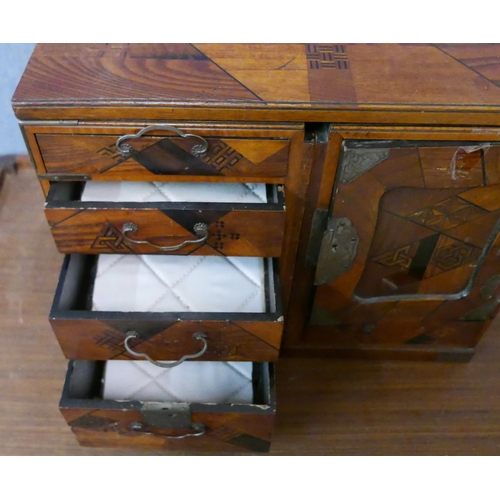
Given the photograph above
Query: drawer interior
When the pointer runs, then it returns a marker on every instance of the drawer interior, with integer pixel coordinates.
(89, 380)
(190, 382)
(139, 194)
(168, 283)
(211, 296)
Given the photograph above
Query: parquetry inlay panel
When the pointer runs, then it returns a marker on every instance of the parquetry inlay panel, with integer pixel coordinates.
(326, 56)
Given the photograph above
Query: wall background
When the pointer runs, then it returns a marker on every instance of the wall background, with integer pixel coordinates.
(13, 60)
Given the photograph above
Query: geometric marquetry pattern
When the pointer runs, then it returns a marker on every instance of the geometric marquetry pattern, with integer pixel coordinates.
(112, 155)
(454, 255)
(419, 254)
(326, 56)
(222, 156)
(399, 258)
(445, 258)
(110, 238)
(431, 251)
(109, 151)
(220, 235)
(447, 214)
(110, 339)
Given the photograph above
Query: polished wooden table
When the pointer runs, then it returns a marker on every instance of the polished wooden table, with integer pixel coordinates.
(330, 406)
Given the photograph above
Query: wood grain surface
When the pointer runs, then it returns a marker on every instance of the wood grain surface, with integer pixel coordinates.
(324, 406)
(231, 230)
(227, 341)
(455, 83)
(157, 157)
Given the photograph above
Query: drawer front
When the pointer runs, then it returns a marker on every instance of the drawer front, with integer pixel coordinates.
(105, 334)
(167, 338)
(230, 153)
(210, 427)
(237, 232)
(254, 229)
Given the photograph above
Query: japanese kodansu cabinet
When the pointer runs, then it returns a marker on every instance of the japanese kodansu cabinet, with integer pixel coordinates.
(399, 253)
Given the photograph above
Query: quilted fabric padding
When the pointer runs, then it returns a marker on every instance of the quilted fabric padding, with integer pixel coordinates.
(178, 283)
(190, 382)
(202, 192)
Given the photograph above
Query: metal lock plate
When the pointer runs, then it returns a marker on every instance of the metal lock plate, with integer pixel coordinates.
(337, 252)
(167, 415)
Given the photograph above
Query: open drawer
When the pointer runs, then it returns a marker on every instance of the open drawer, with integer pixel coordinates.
(215, 419)
(168, 307)
(167, 218)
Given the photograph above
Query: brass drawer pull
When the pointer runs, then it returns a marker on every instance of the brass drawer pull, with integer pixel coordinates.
(163, 364)
(127, 150)
(200, 229)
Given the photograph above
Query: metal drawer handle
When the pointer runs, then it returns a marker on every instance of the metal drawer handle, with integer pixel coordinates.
(199, 429)
(163, 364)
(127, 150)
(200, 229)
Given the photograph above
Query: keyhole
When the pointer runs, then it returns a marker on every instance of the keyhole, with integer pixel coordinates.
(334, 247)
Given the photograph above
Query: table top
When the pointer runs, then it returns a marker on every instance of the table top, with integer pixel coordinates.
(292, 82)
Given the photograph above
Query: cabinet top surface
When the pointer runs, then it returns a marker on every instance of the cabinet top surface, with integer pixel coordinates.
(265, 77)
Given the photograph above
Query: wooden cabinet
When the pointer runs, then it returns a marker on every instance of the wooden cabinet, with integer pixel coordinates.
(378, 228)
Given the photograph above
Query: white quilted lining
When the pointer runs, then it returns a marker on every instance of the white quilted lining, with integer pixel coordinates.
(190, 382)
(202, 192)
(179, 283)
(169, 283)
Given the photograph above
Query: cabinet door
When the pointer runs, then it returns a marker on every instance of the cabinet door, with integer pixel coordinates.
(404, 262)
